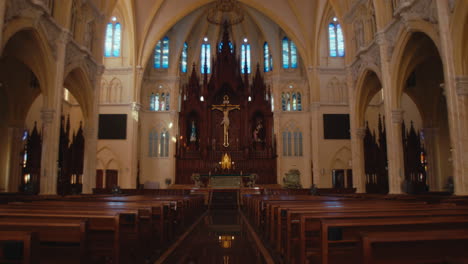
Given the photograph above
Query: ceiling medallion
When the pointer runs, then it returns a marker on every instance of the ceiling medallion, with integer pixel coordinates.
(225, 12)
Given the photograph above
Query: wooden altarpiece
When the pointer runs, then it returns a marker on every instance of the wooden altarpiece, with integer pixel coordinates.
(226, 115)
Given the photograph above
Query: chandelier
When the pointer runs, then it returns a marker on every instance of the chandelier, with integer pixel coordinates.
(225, 12)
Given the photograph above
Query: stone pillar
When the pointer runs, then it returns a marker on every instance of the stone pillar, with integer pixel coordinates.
(15, 134)
(50, 147)
(393, 124)
(430, 144)
(50, 116)
(2, 20)
(315, 124)
(90, 135)
(396, 166)
(276, 93)
(456, 101)
(358, 162)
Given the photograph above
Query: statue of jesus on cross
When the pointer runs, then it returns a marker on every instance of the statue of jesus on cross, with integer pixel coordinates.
(225, 108)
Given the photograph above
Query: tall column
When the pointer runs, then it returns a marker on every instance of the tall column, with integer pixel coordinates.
(396, 166)
(358, 163)
(456, 102)
(316, 119)
(2, 20)
(90, 135)
(50, 116)
(276, 94)
(16, 144)
(393, 124)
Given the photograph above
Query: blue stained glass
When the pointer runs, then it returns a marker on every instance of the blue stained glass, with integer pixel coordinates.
(242, 58)
(156, 102)
(245, 57)
(152, 102)
(157, 56)
(332, 39)
(117, 37)
(108, 43)
(299, 103)
(248, 58)
(283, 101)
(285, 53)
(205, 58)
(266, 58)
(294, 102)
(165, 53)
(167, 102)
(293, 55)
(183, 63)
(340, 41)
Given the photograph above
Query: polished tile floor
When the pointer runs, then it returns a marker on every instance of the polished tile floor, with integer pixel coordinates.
(219, 238)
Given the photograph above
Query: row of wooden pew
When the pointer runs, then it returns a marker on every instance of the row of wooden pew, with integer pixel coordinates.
(94, 228)
(360, 229)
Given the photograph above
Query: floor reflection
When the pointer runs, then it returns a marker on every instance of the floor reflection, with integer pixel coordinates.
(219, 238)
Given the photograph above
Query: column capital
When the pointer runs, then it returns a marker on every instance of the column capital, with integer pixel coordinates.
(360, 132)
(462, 85)
(397, 116)
(47, 115)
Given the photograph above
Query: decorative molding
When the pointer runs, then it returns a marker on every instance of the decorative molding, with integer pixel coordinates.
(331, 70)
(118, 71)
(397, 116)
(462, 85)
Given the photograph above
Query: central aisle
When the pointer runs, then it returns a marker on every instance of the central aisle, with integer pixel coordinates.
(219, 238)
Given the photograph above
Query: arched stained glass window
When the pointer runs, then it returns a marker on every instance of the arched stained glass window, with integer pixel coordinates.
(245, 58)
(289, 54)
(183, 58)
(267, 58)
(205, 58)
(285, 53)
(113, 39)
(161, 54)
(159, 102)
(335, 39)
(291, 101)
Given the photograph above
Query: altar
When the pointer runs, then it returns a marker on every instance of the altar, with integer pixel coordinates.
(224, 180)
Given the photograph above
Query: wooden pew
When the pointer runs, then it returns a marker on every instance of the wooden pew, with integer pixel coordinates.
(451, 245)
(29, 242)
(65, 239)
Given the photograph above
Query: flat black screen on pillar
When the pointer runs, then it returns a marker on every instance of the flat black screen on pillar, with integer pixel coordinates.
(112, 126)
(336, 126)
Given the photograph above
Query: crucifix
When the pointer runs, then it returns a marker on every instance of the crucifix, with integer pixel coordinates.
(225, 108)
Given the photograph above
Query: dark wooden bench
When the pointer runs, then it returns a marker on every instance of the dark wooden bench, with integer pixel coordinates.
(29, 242)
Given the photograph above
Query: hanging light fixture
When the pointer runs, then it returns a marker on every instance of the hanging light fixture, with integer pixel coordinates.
(225, 11)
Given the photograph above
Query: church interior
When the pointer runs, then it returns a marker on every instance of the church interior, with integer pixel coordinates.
(233, 131)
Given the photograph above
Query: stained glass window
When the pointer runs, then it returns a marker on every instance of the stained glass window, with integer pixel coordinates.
(183, 60)
(245, 58)
(267, 58)
(289, 54)
(335, 39)
(161, 54)
(113, 39)
(205, 58)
